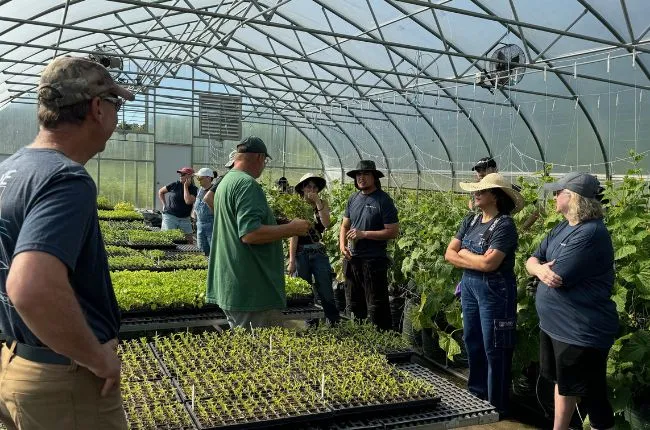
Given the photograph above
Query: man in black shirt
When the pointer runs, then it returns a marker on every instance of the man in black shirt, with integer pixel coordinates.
(178, 200)
(370, 220)
(58, 312)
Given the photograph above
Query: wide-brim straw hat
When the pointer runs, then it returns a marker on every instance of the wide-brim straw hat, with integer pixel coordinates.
(496, 180)
(320, 182)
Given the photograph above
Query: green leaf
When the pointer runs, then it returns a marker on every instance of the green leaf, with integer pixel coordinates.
(620, 298)
(624, 252)
(448, 344)
(643, 280)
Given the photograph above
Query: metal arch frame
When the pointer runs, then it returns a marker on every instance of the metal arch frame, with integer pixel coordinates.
(505, 22)
(503, 91)
(313, 31)
(615, 33)
(406, 140)
(208, 74)
(300, 59)
(304, 78)
(583, 108)
(445, 90)
(349, 37)
(241, 79)
(255, 69)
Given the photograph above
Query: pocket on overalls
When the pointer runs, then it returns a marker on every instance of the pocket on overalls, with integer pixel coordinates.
(497, 285)
(504, 332)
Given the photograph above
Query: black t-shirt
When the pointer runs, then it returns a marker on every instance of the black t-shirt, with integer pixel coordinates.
(503, 238)
(370, 212)
(175, 200)
(315, 233)
(48, 203)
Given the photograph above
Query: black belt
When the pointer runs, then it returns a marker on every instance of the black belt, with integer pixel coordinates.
(37, 354)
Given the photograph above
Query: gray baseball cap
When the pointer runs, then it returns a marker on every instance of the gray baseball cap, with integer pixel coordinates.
(579, 182)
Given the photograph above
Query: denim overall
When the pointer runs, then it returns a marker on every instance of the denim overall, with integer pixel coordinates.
(313, 260)
(489, 301)
(204, 223)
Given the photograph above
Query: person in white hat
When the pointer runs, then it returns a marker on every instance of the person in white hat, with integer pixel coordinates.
(484, 248)
(307, 254)
(202, 212)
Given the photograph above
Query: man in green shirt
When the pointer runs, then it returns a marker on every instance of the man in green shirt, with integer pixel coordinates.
(246, 270)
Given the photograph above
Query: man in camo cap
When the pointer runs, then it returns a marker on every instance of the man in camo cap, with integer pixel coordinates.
(58, 312)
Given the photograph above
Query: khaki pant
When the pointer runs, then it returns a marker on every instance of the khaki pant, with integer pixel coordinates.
(36, 396)
(254, 319)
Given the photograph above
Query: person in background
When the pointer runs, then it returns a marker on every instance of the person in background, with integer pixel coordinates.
(202, 212)
(370, 221)
(484, 248)
(209, 196)
(246, 269)
(58, 314)
(307, 254)
(283, 186)
(483, 166)
(177, 201)
(577, 318)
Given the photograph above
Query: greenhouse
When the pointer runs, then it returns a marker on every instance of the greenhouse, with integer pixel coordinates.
(445, 101)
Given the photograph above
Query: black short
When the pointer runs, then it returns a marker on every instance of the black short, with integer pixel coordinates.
(578, 371)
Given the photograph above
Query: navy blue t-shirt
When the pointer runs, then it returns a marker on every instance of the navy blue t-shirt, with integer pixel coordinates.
(48, 203)
(503, 238)
(175, 199)
(581, 311)
(370, 212)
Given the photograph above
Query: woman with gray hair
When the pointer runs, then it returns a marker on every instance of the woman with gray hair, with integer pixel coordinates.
(577, 318)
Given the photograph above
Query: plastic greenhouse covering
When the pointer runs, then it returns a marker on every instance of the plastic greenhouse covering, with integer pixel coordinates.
(423, 88)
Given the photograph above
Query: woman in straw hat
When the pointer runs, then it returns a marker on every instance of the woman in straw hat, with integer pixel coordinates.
(484, 248)
(577, 318)
(307, 254)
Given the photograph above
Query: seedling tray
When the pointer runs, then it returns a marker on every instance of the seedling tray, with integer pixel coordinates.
(264, 420)
(344, 410)
(300, 300)
(169, 312)
(399, 356)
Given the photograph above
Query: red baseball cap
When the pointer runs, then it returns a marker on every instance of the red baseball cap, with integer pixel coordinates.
(185, 171)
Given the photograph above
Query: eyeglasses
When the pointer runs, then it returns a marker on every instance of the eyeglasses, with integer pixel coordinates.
(115, 101)
(479, 192)
(558, 192)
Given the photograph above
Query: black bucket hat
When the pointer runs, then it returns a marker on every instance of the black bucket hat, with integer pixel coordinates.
(365, 166)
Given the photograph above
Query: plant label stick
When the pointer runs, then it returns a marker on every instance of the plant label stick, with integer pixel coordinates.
(322, 386)
(193, 393)
(270, 343)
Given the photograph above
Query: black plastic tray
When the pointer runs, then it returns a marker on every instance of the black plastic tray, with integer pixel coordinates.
(170, 312)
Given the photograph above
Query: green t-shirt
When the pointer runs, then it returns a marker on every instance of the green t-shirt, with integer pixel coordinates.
(243, 277)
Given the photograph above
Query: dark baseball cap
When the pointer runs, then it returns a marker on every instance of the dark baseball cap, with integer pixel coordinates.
(70, 80)
(253, 145)
(485, 163)
(579, 182)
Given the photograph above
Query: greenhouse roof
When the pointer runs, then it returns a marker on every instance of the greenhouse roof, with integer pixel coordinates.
(415, 85)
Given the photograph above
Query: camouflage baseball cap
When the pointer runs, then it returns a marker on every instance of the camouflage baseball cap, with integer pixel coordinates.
(69, 80)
